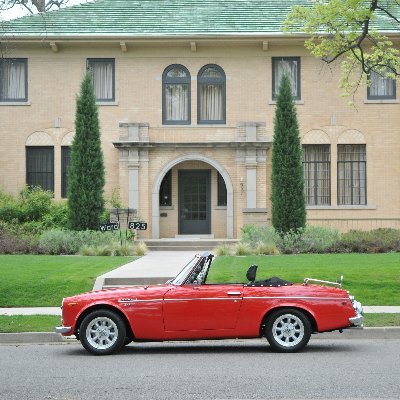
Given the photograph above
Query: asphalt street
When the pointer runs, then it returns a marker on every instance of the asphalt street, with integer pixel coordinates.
(327, 369)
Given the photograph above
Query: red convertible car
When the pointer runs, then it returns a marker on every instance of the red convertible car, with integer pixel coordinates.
(188, 308)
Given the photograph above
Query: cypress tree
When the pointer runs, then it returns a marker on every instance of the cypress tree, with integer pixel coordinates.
(86, 170)
(287, 195)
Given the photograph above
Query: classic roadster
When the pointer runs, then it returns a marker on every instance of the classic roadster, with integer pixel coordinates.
(189, 308)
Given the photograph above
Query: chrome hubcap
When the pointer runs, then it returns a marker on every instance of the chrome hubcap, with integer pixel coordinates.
(288, 330)
(102, 333)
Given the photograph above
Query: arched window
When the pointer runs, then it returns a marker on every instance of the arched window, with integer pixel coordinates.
(176, 95)
(211, 95)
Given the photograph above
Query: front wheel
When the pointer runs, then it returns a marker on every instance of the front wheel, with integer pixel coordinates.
(288, 330)
(102, 332)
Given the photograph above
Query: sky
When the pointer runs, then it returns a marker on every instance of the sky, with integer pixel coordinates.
(19, 11)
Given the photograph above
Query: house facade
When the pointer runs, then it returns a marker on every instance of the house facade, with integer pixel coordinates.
(186, 97)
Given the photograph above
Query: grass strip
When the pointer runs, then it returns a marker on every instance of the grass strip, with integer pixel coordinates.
(374, 279)
(378, 320)
(42, 281)
(28, 323)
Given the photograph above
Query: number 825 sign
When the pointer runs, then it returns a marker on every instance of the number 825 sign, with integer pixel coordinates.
(140, 226)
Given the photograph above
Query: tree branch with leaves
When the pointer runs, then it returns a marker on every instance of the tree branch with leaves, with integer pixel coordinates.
(33, 6)
(346, 31)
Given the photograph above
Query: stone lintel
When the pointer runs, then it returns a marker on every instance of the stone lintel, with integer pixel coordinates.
(234, 145)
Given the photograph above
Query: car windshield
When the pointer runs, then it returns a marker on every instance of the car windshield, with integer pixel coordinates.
(180, 278)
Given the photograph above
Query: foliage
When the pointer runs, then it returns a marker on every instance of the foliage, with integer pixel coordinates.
(70, 242)
(255, 234)
(223, 250)
(375, 241)
(15, 241)
(365, 275)
(243, 249)
(33, 6)
(42, 281)
(287, 195)
(140, 249)
(86, 171)
(343, 30)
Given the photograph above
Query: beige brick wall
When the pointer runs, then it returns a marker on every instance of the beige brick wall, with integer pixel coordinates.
(54, 80)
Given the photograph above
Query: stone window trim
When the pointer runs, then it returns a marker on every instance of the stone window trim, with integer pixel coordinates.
(19, 101)
(275, 60)
(177, 81)
(344, 207)
(92, 61)
(201, 80)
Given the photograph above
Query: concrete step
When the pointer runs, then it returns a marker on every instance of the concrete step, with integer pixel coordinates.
(187, 244)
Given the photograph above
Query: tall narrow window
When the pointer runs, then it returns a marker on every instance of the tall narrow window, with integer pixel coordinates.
(289, 66)
(317, 174)
(176, 95)
(211, 95)
(352, 174)
(382, 87)
(65, 160)
(103, 75)
(13, 79)
(166, 190)
(222, 198)
(40, 167)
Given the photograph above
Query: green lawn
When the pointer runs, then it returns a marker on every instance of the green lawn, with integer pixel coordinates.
(46, 323)
(42, 281)
(373, 278)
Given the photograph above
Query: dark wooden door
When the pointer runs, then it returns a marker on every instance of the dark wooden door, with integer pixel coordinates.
(194, 202)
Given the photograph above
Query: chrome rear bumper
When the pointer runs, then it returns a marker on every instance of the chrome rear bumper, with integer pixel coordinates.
(357, 321)
(62, 329)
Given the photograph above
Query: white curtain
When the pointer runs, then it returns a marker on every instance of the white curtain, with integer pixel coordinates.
(316, 167)
(351, 174)
(13, 80)
(176, 99)
(289, 68)
(381, 86)
(103, 80)
(211, 107)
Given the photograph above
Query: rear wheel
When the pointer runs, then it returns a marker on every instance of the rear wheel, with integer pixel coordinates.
(102, 332)
(288, 330)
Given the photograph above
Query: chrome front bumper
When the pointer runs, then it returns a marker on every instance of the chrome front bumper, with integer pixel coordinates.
(357, 321)
(62, 329)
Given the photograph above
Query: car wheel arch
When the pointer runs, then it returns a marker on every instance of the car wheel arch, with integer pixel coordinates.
(307, 313)
(96, 307)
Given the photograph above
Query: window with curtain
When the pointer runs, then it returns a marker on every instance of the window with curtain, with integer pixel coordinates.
(40, 167)
(211, 95)
(381, 87)
(103, 75)
(352, 174)
(289, 66)
(166, 190)
(317, 174)
(13, 79)
(65, 160)
(176, 95)
(222, 197)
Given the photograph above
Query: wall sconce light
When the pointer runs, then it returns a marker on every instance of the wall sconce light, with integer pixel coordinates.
(57, 122)
(333, 120)
(241, 186)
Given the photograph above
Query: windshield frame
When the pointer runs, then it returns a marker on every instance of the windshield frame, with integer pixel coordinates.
(181, 278)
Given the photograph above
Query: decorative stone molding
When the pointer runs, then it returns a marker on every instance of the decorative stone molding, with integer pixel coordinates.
(351, 136)
(67, 139)
(134, 131)
(316, 136)
(40, 139)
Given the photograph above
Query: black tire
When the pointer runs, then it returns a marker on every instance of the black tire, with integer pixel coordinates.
(288, 330)
(102, 332)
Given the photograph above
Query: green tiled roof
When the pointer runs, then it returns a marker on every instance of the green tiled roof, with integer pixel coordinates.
(154, 18)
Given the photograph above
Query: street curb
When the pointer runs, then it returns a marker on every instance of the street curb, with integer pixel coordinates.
(49, 337)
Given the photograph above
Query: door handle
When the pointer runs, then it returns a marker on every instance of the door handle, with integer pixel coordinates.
(233, 293)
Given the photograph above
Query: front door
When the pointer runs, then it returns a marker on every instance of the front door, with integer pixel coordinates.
(194, 202)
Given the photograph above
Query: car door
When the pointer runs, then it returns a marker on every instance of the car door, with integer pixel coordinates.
(202, 307)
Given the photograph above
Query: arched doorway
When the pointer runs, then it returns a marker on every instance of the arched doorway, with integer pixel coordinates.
(171, 164)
